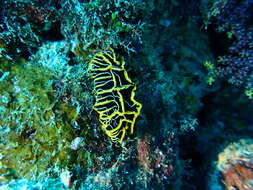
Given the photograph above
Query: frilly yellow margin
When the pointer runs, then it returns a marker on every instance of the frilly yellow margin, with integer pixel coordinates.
(114, 92)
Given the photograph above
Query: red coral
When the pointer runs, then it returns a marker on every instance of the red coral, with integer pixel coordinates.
(143, 148)
(238, 176)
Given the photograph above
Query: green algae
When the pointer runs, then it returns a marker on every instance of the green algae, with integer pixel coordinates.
(36, 131)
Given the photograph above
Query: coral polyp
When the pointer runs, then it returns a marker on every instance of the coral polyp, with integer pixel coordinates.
(114, 92)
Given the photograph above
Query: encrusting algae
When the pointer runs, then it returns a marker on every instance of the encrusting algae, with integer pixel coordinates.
(36, 134)
(114, 92)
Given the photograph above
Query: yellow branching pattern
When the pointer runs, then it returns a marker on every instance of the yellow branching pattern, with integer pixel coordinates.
(114, 93)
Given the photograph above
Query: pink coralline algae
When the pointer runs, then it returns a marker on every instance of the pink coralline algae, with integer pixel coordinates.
(239, 175)
(143, 147)
(155, 160)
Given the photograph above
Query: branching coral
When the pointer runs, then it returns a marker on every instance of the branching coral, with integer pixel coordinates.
(69, 75)
(102, 23)
(25, 24)
(234, 19)
(95, 24)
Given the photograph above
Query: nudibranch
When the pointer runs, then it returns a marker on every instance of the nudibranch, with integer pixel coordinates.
(114, 94)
